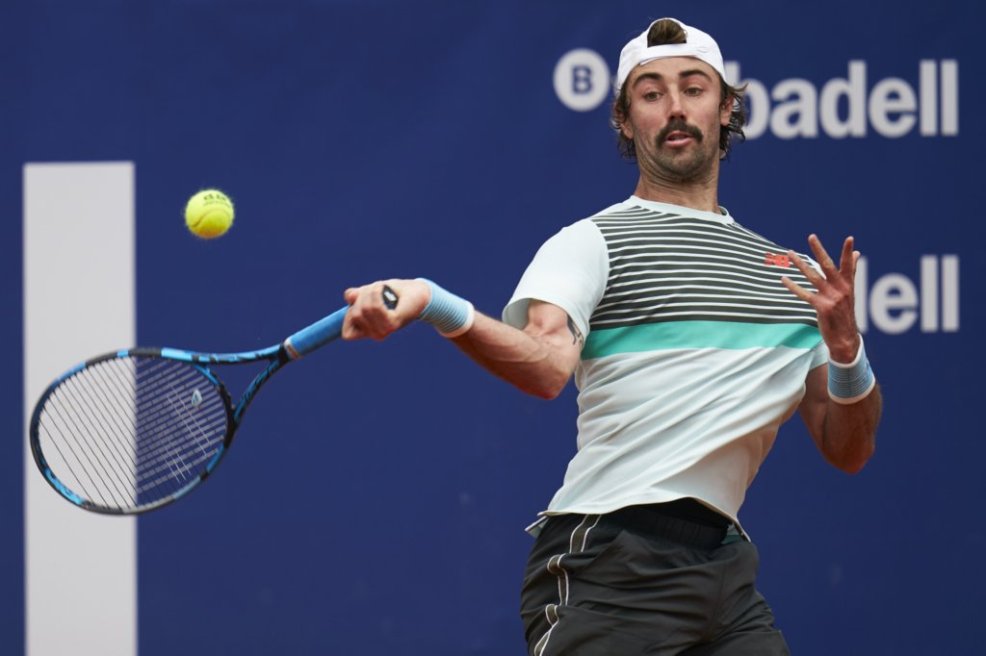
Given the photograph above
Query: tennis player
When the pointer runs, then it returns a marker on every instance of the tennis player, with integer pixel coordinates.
(691, 339)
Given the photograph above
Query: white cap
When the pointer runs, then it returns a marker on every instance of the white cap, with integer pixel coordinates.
(697, 44)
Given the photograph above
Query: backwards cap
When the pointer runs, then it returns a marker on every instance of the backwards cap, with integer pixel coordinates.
(697, 44)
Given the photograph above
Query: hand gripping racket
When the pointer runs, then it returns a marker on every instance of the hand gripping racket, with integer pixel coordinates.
(134, 430)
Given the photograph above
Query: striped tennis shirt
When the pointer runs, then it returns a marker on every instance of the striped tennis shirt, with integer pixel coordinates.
(695, 353)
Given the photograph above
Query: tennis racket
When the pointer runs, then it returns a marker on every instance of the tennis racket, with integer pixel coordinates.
(134, 430)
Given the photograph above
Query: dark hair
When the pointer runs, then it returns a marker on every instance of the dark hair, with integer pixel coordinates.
(666, 32)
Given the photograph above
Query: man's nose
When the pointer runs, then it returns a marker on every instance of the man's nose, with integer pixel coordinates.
(676, 108)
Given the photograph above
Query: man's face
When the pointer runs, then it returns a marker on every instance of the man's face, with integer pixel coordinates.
(674, 118)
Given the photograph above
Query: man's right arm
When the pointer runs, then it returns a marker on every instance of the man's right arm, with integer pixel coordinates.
(538, 360)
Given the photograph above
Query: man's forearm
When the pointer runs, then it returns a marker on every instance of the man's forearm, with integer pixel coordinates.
(536, 362)
(849, 431)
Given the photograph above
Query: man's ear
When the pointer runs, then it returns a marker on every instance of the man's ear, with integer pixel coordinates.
(625, 128)
(726, 109)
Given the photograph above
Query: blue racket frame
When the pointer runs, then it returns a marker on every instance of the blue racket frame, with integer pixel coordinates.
(299, 344)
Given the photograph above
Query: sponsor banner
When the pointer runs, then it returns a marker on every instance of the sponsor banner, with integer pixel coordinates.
(850, 106)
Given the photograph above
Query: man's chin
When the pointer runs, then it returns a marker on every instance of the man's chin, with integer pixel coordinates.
(685, 169)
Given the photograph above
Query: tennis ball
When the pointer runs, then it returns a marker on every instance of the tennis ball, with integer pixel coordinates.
(209, 214)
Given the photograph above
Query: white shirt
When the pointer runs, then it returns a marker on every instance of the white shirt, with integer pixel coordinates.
(685, 378)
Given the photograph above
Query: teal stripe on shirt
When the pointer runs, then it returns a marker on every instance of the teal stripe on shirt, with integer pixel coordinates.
(698, 334)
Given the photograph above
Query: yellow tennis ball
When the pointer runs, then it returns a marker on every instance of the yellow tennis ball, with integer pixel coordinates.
(209, 213)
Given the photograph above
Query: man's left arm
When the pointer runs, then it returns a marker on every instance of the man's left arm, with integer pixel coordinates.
(841, 416)
(845, 434)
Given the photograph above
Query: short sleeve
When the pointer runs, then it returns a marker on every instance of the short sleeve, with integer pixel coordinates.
(569, 270)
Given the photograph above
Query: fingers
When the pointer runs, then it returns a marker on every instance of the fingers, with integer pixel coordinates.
(839, 277)
(806, 269)
(369, 314)
(833, 297)
(847, 262)
(822, 256)
(847, 259)
(846, 267)
(378, 309)
(798, 290)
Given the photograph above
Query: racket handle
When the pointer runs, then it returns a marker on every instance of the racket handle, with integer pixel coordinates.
(327, 329)
(316, 335)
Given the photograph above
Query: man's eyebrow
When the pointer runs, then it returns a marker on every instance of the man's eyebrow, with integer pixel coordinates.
(695, 71)
(657, 77)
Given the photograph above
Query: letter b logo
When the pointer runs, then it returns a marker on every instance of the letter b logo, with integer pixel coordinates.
(582, 79)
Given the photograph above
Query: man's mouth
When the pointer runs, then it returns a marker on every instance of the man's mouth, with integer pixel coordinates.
(680, 134)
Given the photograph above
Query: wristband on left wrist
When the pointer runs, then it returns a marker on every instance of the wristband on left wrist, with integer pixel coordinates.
(849, 383)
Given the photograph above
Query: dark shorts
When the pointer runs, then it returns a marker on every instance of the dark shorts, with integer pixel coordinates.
(637, 581)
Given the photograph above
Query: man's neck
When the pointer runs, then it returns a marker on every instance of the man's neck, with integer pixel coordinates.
(702, 195)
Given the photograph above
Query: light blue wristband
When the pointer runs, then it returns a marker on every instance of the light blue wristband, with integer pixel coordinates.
(450, 315)
(849, 383)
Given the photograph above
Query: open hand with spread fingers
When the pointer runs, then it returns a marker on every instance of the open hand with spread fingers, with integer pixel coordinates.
(834, 299)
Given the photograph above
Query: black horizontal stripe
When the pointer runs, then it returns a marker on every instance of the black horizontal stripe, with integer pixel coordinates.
(685, 258)
(698, 316)
(622, 216)
(704, 244)
(633, 271)
(696, 235)
(669, 303)
(699, 311)
(691, 310)
(658, 294)
(713, 236)
(635, 212)
(696, 281)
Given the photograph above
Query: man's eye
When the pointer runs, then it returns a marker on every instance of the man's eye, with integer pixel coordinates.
(694, 91)
(652, 95)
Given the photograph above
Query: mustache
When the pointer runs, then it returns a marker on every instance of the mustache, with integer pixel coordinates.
(679, 125)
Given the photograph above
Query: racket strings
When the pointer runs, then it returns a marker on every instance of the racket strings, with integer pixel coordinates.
(104, 404)
(85, 404)
(161, 445)
(131, 431)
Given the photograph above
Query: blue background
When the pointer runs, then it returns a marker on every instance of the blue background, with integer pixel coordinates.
(375, 498)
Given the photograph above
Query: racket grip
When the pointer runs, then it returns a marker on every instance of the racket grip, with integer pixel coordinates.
(327, 329)
(316, 335)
